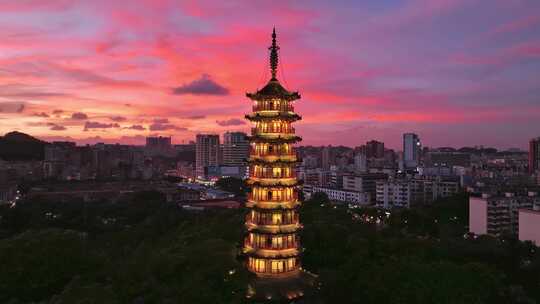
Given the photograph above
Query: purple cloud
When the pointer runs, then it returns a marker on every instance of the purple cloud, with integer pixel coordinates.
(79, 116)
(194, 117)
(12, 107)
(230, 122)
(136, 127)
(117, 118)
(161, 120)
(202, 86)
(165, 127)
(56, 127)
(98, 125)
(41, 114)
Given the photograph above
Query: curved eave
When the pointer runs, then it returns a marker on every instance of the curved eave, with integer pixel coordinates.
(278, 161)
(282, 116)
(272, 183)
(266, 210)
(267, 205)
(271, 254)
(284, 96)
(257, 138)
(273, 229)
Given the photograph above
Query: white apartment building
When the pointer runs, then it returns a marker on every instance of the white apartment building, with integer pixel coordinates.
(498, 215)
(338, 195)
(402, 193)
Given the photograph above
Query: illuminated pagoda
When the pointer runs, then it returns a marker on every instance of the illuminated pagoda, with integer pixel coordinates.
(272, 244)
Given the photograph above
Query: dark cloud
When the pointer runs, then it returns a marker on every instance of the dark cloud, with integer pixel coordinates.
(202, 86)
(79, 116)
(98, 125)
(136, 127)
(56, 127)
(52, 126)
(12, 107)
(161, 120)
(117, 118)
(56, 112)
(230, 122)
(164, 127)
(196, 117)
(41, 114)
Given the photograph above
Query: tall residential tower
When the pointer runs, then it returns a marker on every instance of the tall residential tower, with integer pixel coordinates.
(411, 150)
(206, 153)
(534, 155)
(235, 149)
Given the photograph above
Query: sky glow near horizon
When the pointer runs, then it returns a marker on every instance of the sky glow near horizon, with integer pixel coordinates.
(458, 73)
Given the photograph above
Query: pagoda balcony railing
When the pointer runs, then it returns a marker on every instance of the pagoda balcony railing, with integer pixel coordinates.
(292, 174)
(254, 152)
(274, 107)
(273, 246)
(277, 199)
(268, 221)
(269, 272)
(290, 228)
(286, 130)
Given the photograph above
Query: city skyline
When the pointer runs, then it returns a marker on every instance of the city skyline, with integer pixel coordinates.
(104, 72)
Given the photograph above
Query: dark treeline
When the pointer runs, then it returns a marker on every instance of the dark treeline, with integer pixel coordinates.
(142, 250)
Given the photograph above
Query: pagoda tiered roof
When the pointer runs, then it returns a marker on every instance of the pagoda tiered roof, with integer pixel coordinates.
(273, 89)
(273, 183)
(268, 116)
(277, 162)
(271, 140)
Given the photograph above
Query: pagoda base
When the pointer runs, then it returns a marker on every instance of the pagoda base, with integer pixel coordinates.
(281, 289)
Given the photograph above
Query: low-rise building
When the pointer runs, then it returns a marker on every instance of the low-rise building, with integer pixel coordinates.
(498, 215)
(365, 182)
(340, 195)
(395, 193)
(529, 225)
(402, 193)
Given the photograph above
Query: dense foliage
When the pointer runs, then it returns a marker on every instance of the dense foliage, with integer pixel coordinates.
(233, 185)
(142, 250)
(414, 256)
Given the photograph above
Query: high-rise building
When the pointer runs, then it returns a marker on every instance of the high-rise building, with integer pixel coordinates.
(272, 244)
(159, 145)
(235, 149)
(206, 153)
(158, 142)
(326, 157)
(360, 162)
(374, 149)
(411, 150)
(534, 155)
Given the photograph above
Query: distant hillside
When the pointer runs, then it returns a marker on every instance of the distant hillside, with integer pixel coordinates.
(20, 146)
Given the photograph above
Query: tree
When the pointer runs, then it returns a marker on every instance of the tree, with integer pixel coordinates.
(233, 185)
(320, 197)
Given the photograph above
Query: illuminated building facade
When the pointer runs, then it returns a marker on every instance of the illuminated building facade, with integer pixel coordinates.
(272, 244)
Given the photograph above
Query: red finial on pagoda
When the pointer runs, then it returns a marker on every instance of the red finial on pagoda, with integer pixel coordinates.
(274, 55)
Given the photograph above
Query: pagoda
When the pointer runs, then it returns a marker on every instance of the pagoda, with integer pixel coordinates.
(272, 244)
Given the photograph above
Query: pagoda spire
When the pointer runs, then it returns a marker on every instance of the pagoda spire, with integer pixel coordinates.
(274, 55)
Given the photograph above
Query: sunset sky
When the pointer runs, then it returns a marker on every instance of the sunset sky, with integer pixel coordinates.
(457, 72)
